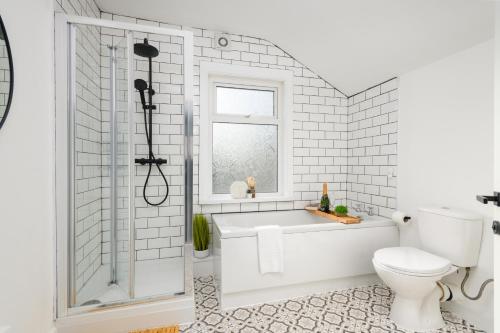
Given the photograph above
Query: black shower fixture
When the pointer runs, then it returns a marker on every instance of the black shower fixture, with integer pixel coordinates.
(141, 86)
(145, 50)
(148, 51)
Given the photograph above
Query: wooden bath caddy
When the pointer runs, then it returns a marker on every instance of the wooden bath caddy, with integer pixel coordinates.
(341, 219)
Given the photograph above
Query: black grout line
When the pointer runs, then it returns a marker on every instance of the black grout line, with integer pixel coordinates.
(376, 85)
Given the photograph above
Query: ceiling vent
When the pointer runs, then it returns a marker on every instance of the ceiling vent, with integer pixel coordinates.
(222, 41)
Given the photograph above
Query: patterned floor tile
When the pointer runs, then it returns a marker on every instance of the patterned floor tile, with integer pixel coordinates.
(356, 310)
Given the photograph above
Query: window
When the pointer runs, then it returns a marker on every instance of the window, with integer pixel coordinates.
(245, 101)
(245, 130)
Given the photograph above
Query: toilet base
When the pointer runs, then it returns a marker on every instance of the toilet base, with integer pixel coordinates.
(418, 314)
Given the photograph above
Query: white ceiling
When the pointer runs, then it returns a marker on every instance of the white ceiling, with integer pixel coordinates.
(353, 44)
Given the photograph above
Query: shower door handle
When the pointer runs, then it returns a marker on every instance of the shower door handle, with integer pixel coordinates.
(496, 227)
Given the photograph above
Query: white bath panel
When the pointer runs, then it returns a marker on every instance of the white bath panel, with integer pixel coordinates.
(318, 255)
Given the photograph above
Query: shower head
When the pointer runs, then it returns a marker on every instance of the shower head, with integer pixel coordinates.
(145, 50)
(141, 85)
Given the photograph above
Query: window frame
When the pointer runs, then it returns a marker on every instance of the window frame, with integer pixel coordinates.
(213, 75)
(242, 83)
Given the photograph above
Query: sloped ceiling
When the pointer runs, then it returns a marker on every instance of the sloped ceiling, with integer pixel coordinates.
(353, 44)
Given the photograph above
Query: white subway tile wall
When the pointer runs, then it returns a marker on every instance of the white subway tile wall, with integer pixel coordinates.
(319, 122)
(4, 78)
(87, 8)
(159, 232)
(319, 131)
(372, 163)
(88, 146)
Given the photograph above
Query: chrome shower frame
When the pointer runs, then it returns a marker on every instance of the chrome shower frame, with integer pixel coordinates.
(65, 290)
(112, 127)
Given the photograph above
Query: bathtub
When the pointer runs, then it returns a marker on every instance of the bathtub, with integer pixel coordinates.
(320, 255)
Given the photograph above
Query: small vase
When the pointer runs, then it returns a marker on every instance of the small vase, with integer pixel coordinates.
(201, 254)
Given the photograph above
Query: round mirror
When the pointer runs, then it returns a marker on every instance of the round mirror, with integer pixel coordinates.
(6, 74)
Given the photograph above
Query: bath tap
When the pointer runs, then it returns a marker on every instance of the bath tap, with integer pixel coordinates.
(360, 208)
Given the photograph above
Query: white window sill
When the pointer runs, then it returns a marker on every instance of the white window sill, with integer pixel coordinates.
(229, 200)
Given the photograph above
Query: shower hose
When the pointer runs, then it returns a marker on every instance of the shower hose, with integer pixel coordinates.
(157, 162)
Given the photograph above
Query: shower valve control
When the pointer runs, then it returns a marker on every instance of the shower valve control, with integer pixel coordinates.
(144, 161)
(495, 198)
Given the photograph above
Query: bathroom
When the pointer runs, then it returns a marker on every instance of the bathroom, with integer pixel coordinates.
(132, 132)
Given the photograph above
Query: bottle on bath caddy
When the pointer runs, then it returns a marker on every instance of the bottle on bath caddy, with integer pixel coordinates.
(324, 204)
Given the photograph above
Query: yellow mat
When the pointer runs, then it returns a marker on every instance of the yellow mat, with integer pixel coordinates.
(169, 329)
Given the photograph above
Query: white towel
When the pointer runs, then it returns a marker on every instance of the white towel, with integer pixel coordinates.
(270, 244)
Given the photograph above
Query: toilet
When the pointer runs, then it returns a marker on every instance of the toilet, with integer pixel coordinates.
(450, 239)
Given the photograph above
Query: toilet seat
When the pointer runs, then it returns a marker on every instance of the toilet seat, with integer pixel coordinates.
(411, 261)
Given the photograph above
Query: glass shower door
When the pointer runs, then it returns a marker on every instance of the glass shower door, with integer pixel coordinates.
(99, 167)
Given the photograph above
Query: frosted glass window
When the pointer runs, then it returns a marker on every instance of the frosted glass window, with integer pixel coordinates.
(241, 101)
(242, 150)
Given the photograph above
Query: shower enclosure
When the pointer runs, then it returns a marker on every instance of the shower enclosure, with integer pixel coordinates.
(113, 246)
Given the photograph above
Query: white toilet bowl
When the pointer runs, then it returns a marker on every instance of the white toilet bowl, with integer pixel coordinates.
(412, 274)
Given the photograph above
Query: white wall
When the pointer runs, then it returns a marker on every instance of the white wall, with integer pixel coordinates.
(446, 152)
(26, 176)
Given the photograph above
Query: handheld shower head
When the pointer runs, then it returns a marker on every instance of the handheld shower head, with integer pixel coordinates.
(141, 86)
